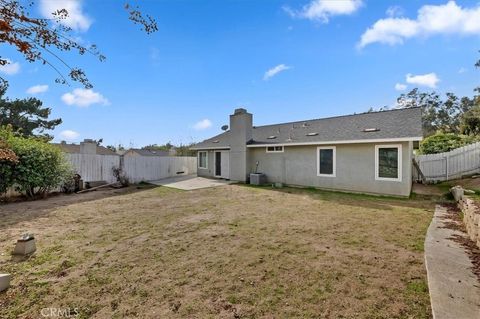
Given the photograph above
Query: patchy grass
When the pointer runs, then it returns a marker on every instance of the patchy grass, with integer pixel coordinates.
(229, 252)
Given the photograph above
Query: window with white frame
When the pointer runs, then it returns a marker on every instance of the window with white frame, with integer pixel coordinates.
(388, 162)
(326, 161)
(202, 160)
(274, 149)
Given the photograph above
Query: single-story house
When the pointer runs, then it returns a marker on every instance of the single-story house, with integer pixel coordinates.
(149, 152)
(368, 153)
(88, 146)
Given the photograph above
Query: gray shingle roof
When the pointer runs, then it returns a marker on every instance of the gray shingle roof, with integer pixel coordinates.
(398, 123)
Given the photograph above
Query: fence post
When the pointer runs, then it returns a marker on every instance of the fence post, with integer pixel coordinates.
(446, 165)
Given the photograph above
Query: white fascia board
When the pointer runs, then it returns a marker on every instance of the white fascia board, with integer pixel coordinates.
(210, 148)
(384, 140)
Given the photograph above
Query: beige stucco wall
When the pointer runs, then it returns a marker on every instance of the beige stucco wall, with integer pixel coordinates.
(355, 168)
(210, 170)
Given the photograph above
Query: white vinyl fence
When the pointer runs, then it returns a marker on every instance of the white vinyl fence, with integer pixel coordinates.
(450, 165)
(92, 167)
(137, 168)
(145, 168)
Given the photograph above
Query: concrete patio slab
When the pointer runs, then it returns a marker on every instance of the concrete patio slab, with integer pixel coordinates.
(454, 288)
(190, 182)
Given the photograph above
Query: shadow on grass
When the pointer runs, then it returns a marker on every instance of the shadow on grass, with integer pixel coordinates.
(19, 211)
(360, 200)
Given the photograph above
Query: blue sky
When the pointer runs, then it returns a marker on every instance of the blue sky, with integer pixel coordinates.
(282, 60)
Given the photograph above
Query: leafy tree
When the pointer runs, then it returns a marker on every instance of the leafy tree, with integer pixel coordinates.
(180, 150)
(444, 142)
(438, 114)
(429, 102)
(26, 116)
(165, 147)
(44, 40)
(470, 122)
(184, 150)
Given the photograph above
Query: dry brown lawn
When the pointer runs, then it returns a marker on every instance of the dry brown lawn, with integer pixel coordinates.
(227, 252)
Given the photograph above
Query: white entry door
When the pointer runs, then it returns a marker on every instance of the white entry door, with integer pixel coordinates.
(222, 164)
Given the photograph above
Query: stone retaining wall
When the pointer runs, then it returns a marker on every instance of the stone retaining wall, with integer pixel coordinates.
(471, 218)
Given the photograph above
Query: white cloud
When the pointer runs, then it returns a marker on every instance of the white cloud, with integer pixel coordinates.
(395, 11)
(203, 125)
(275, 70)
(322, 10)
(77, 20)
(430, 80)
(10, 68)
(462, 70)
(36, 89)
(431, 19)
(400, 87)
(69, 135)
(84, 98)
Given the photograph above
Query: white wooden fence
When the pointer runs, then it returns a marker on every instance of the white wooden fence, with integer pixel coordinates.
(148, 168)
(93, 167)
(450, 165)
(137, 168)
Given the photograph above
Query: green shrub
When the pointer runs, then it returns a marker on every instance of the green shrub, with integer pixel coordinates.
(41, 166)
(444, 142)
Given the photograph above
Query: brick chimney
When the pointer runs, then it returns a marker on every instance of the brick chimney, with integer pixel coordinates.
(240, 133)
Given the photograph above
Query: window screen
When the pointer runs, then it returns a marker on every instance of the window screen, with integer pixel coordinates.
(388, 162)
(326, 161)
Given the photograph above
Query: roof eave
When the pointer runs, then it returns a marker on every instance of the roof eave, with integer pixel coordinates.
(379, 140)
(209, 148)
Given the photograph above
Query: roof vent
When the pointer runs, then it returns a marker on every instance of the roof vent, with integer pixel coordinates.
(372, 129)
(312, 134)
(216, 141)
(272, 137)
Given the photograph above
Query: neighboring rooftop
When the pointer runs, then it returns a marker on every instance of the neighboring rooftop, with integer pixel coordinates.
(75, 148)
(391, 124)
(149, 152)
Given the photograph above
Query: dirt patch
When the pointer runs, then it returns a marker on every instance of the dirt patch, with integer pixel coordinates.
(23, 210)
(426, 189)
(228, 252)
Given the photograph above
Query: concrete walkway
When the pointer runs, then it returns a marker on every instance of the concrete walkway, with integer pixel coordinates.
(454, 289)
(190, 182)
